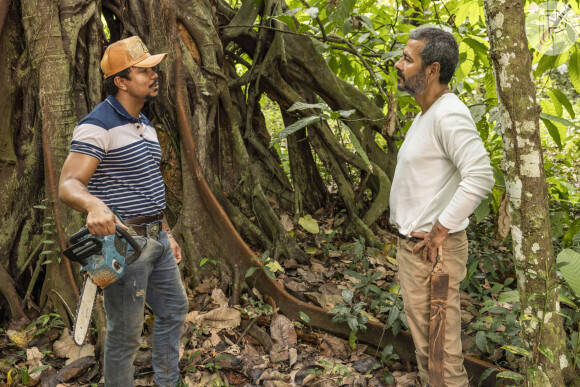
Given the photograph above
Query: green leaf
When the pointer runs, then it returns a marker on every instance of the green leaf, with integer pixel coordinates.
(355, 274)
(556, 102)
(571, 271)
(486, 374)
(517, 350)
(304, 317)
(572, 231)
(309, 224)
(490, 90)
(481, 341)
(564, 101)
(40, 207)
(313, 12)
(510, 375)
(347, 295)
(483, 209)
(554, 133)
(357, 146)
(343, 11)
(509, 296)
(560, 120)
(565, 300)
(288, 20)
(546, 63)
(352, 339)
(301, 123)
(574, 70)
(38, 369)
(274, 266)
(303, 106)
(547, 352)
(251, 271)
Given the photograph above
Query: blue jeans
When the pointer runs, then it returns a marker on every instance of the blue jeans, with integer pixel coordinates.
(154, 278)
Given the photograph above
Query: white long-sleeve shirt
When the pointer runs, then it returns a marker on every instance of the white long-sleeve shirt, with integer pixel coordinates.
(443, 170)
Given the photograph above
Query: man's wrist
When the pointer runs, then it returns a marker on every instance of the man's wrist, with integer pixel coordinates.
(439, 229)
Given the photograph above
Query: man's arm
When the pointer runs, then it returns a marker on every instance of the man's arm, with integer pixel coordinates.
(461, 143)
(175, 249)
(72, 191)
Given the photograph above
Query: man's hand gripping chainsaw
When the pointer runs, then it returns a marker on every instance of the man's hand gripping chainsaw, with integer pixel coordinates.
(103, 260)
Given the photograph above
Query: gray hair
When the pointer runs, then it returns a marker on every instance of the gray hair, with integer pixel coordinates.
(440, 46)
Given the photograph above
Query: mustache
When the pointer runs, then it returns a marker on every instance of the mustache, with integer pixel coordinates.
(156, 83)
(400, 75)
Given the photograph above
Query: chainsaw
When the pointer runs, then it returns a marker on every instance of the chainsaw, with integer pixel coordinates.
(103, 260)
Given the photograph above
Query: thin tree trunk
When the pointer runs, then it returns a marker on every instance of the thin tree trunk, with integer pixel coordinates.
(542, 328)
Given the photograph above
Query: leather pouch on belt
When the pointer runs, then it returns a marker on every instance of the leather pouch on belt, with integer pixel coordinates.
(438, 304)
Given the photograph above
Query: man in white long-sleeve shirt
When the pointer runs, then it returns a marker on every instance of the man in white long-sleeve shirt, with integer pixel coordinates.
(443, 172)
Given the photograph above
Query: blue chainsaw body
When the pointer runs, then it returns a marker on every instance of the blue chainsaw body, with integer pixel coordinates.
(103, 258)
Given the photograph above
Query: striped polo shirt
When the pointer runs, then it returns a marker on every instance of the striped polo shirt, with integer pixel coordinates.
(127, 177)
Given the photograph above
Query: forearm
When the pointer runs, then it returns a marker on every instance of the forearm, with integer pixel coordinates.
(76, 195)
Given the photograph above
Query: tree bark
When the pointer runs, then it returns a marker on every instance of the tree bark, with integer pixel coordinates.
(528, 195)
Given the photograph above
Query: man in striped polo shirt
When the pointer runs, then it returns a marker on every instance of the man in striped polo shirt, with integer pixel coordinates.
(114, 164)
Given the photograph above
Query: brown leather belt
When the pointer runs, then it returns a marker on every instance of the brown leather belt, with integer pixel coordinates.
(148, 226)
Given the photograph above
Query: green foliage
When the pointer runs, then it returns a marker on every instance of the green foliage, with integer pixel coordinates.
(571, 268)
(351, 314)
(270, 266)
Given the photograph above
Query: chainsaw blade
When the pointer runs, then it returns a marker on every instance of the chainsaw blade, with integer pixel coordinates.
(84, 312)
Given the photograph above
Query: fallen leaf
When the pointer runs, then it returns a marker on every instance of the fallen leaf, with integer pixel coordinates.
(296, 286)
(220, 318)
(282, 331)
(33, 358)
(308, 276)
(287, 222)
(332, 346)
(192, 316)
(66, 348)
(218, 297)
(292, 356)
(309, 224)
(326, 301)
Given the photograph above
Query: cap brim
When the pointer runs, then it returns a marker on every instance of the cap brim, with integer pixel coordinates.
(151, 61)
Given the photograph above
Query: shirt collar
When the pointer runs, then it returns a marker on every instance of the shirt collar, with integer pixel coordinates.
(121, 110)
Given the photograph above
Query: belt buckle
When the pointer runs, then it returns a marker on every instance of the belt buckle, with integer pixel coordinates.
(152, 230)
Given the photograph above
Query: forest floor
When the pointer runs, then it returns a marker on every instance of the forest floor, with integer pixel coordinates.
(252, 344)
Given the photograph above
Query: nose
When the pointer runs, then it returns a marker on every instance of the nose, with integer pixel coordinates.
(398, 65)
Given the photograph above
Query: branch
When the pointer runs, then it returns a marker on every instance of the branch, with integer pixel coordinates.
(305, 2)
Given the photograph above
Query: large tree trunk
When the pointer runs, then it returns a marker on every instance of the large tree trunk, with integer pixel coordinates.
(527, 192)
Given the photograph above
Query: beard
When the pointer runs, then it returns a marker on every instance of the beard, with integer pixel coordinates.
(414, 85)
(152, 97)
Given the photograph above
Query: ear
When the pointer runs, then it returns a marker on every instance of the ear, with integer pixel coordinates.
(120, 83)
(433, 71)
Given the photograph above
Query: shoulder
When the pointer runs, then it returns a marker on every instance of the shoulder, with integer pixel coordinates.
(104, 116)
(451, 105)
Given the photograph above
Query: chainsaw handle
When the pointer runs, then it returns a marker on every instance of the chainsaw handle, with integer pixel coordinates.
(136, 246)
(76, 237)
(79, 234)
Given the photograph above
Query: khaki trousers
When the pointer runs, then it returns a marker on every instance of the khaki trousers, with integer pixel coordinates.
(412, 275)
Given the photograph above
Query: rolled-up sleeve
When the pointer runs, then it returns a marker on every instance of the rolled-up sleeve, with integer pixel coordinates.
(461, 143)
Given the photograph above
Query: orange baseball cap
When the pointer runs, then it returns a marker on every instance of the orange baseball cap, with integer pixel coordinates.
(126, 53)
